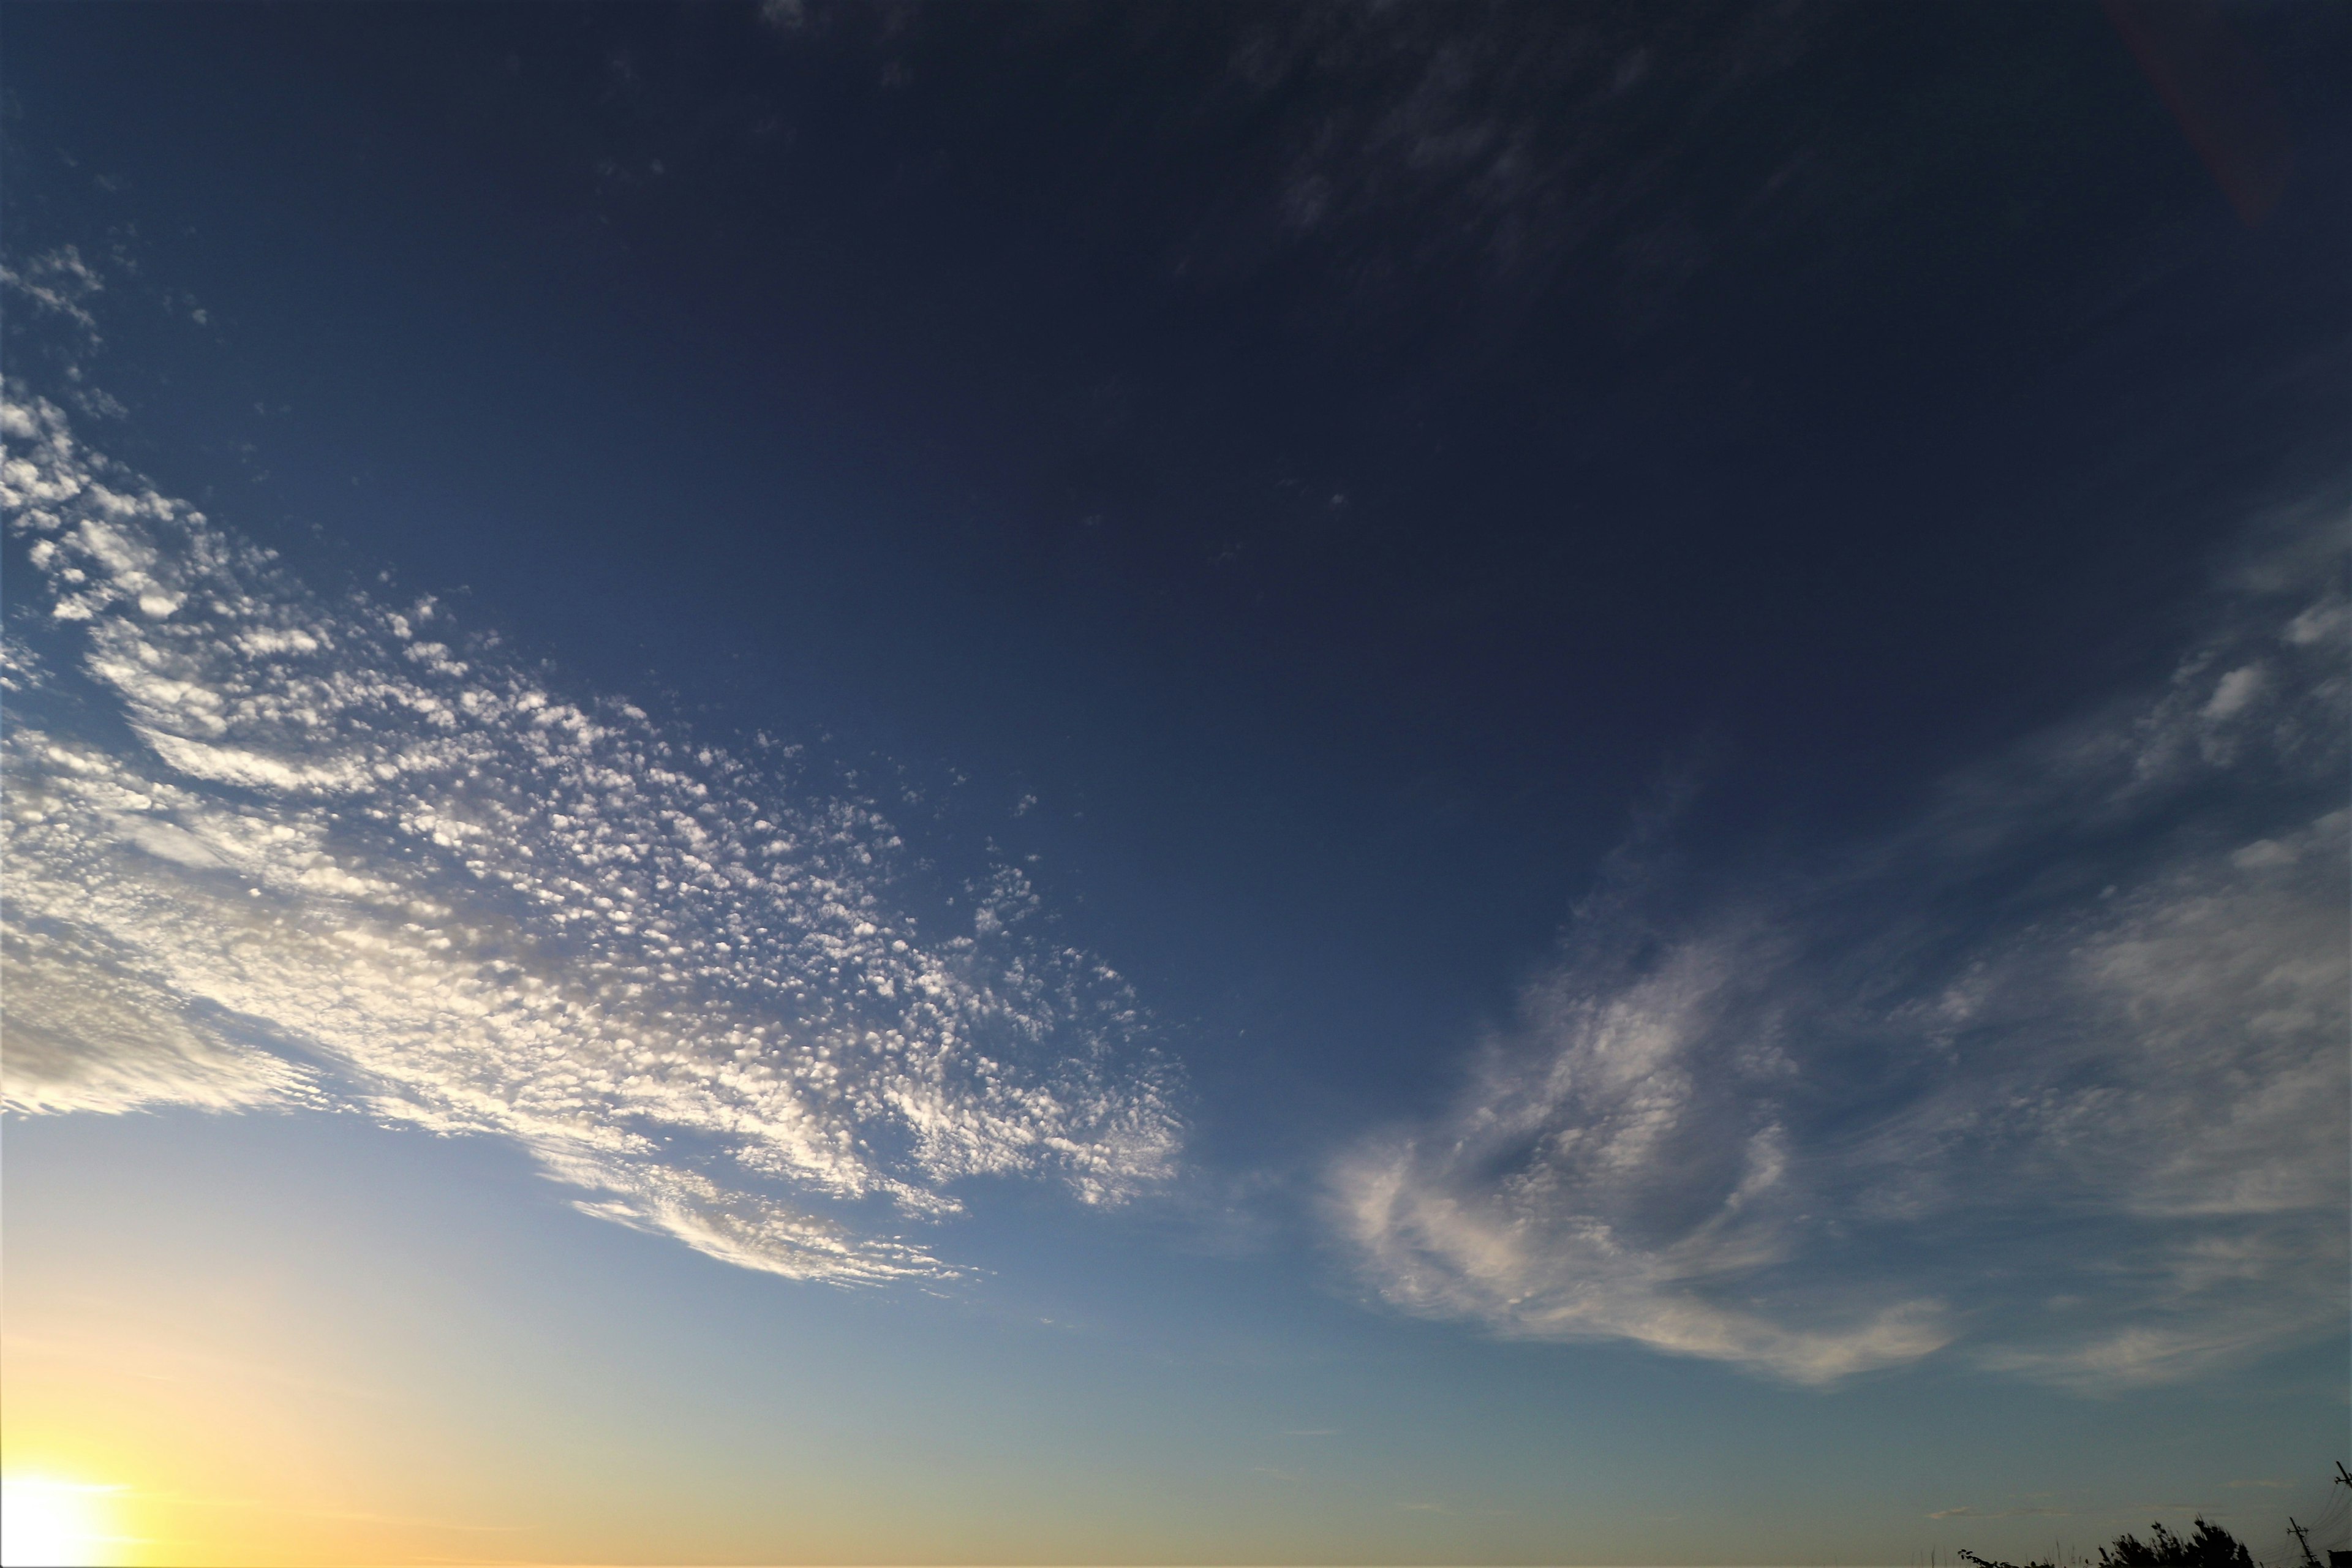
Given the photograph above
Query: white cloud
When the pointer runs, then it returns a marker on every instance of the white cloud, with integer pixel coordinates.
(59, 282)
(1964, 1512)
(290, 849)
(2056, 1077)
(86, 1031)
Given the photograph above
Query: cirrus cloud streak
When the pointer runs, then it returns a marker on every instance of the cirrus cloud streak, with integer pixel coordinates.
(2054, 1077)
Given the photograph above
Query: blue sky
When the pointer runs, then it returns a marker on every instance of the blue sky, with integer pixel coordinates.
(1151, 784)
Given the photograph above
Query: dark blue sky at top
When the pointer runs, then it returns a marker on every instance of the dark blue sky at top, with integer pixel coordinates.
(1112, 404)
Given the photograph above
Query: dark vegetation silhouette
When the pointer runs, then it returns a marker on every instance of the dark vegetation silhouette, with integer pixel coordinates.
(2208, 1546)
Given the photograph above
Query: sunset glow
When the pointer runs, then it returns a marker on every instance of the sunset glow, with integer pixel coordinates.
(47, 1520)
(990, 783)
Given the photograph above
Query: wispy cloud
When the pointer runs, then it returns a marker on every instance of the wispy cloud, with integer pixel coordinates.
(1964, 1512)
(58, 282)
(2054, 1077)
(1433, 148)
(265, 847)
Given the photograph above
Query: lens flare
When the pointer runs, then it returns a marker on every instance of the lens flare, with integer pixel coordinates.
(46, 1521)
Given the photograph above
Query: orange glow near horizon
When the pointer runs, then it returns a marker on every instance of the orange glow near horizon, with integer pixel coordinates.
(206, 1458)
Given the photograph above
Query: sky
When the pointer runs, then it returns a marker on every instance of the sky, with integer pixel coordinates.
(802, 782)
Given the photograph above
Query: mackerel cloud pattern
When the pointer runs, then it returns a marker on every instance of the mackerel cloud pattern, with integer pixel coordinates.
(270, 849)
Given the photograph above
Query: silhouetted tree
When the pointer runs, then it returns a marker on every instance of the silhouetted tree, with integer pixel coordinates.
(2210, 1546)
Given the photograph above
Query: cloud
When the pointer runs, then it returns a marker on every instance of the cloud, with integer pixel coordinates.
(1431, 151)
(60, 283)
(2055, 1077)
(1999, 1513)
(266, 848)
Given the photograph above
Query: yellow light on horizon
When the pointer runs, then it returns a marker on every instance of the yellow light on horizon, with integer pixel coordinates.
(46, 1521)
